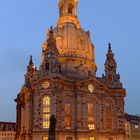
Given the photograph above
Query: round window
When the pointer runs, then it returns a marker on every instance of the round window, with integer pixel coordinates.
(46, 84)
(91, 88)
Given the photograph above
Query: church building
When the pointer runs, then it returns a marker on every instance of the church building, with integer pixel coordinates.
(65, 86)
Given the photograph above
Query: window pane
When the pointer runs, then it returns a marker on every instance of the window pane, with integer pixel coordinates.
(46, 112)
(91, 126)
(46, 116)
(91, 138)
(46, 101)
(46, 124)
(45, 138)
(46, 109)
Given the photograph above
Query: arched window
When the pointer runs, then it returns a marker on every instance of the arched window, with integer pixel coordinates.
(108, 116)
(68, 116)
(47, 66)
(45, 138)
(46, 111)
(70, 9)
(91, 124)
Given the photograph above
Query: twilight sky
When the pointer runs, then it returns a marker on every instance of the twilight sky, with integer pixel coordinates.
(23, 26)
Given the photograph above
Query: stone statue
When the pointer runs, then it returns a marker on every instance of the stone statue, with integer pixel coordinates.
(52, 124)
(52, 128)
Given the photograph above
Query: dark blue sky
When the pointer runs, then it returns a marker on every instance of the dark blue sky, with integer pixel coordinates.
(23, 26)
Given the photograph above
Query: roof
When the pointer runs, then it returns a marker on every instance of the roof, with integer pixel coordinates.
(7, 126)
(133, 119)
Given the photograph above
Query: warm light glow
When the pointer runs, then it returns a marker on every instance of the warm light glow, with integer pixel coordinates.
(136, 126)
(46, 109)
(46, 112)
(91, 88)
(45, 138)
(91, 138)
(46, 124)
(68, 19)
(91, 126)
(46, 101)
(46, 84)
(45, 116)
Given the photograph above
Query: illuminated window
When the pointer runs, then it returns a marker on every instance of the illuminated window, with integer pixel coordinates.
(45, 138)
(136, 126)
(91, 138)
(46, 84)
(91, 88)
(91, 125)
(46, 109)
(45, 116)
(46, 112)
(108, 116)
(68, 116)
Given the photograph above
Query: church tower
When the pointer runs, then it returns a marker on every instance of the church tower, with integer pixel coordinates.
(63, 99)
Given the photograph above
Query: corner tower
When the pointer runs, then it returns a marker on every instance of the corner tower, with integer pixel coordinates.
(76, 51)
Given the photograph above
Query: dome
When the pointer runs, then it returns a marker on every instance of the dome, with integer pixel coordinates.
(76, 51)
(74, 42)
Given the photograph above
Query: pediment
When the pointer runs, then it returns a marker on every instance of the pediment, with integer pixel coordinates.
(97, 85)
(43, 83)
